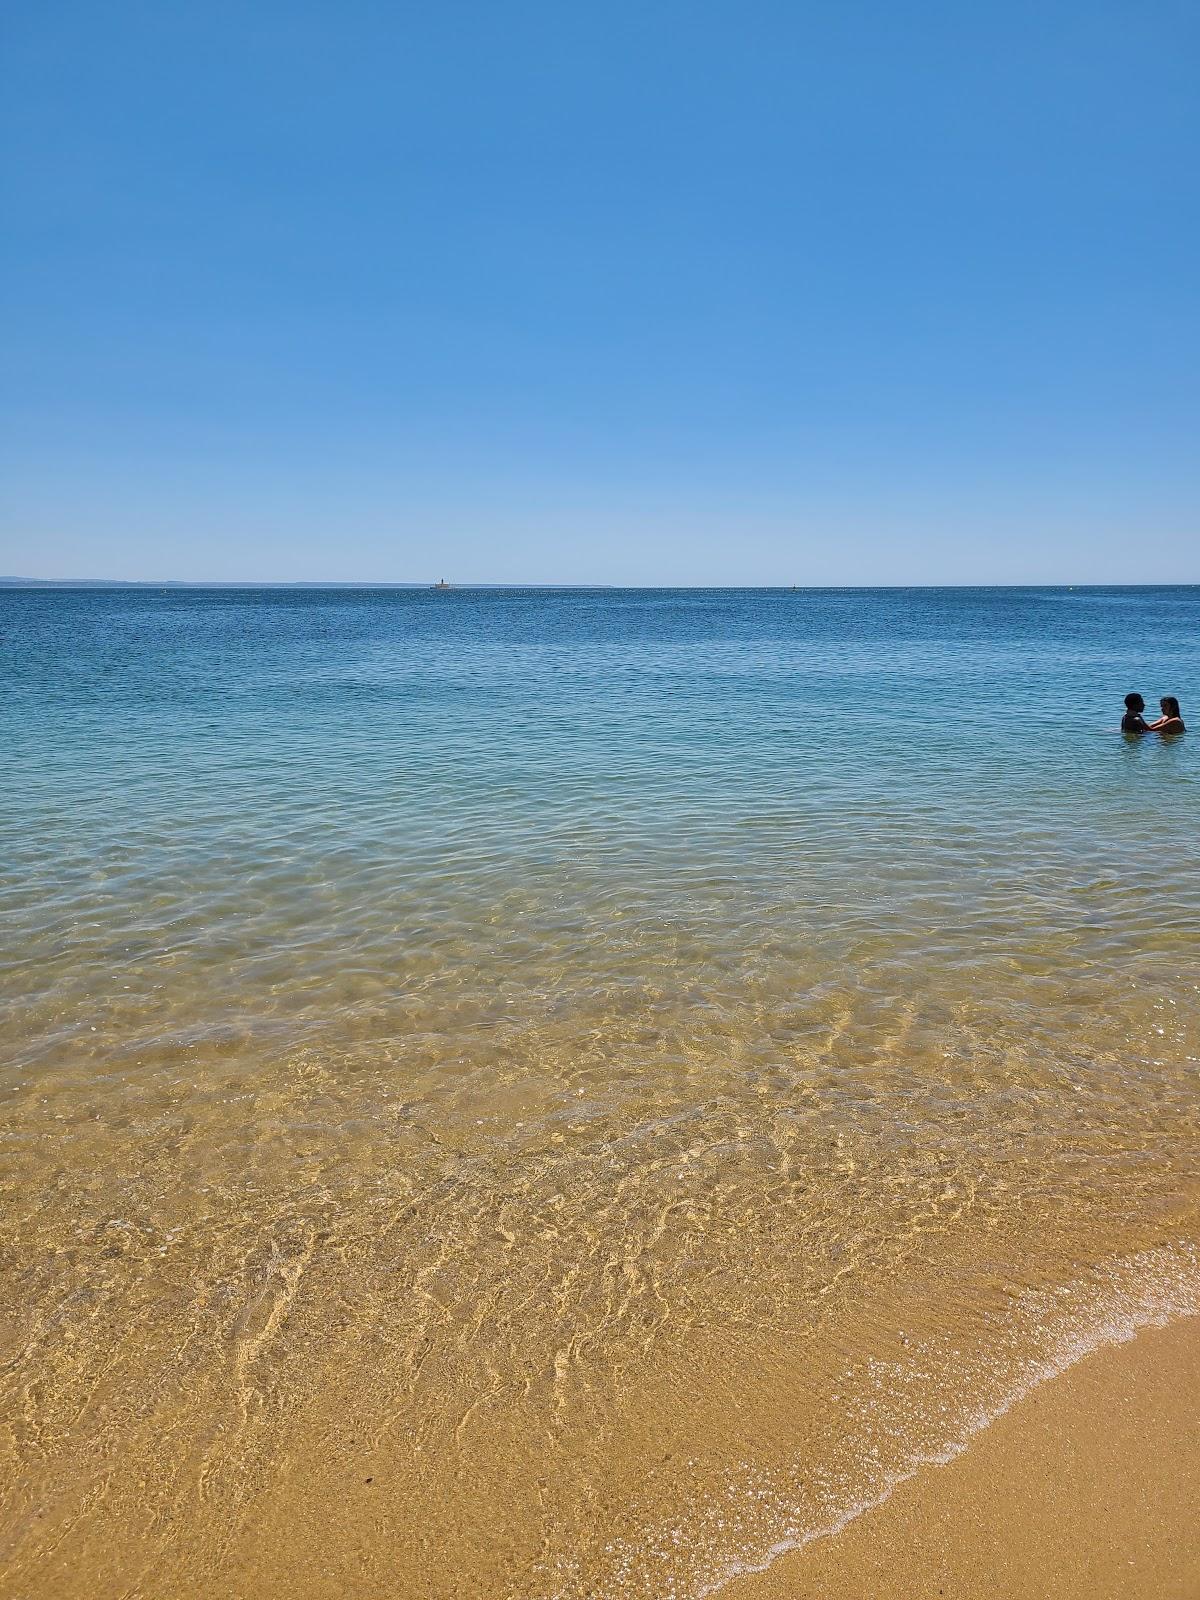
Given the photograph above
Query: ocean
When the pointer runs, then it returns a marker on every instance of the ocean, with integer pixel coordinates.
(566, 1093)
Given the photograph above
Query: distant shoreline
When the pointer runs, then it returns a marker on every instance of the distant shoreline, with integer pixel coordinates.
(645, 588)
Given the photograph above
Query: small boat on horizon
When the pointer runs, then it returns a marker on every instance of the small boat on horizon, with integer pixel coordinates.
(440, 584)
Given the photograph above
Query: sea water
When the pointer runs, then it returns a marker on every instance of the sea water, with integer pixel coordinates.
(566, 1092)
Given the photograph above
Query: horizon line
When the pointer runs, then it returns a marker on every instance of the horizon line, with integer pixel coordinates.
(12, 582)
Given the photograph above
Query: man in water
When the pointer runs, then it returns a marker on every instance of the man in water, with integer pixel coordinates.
(1133, 721)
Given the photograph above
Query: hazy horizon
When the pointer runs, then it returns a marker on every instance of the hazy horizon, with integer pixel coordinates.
(17, 582)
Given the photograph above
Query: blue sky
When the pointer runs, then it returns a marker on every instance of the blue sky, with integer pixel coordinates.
(653, 293)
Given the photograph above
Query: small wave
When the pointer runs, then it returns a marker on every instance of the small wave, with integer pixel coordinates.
(1149, 1290)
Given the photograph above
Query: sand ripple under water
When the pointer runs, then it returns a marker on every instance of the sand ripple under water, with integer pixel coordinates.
(496, 1104)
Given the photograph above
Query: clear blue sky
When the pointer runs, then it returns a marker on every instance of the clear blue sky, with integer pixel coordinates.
(653, 293)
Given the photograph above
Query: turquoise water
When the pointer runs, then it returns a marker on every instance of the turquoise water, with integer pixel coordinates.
(260, 778)
(659, 973)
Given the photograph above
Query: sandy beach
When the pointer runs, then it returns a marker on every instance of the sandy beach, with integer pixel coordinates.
(1089, 1486)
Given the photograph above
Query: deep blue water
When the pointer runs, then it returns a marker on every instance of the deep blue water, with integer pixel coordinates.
(651, 710)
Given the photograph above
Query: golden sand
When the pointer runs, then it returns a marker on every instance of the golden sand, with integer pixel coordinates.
(1087, 1487)
(599, 1305)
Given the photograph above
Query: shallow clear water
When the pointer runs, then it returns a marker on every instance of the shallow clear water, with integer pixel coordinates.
(570, 1089)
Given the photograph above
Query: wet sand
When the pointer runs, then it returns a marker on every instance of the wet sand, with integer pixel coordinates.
(1089, 1486)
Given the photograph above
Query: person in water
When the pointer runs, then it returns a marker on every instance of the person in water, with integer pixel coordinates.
(1133, 721)
(1170, 721)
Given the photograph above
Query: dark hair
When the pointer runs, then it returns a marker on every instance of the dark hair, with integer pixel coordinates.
(1134, 702)
(1170, 705)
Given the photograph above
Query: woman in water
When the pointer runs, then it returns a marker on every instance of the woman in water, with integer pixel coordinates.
(1170, 721)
